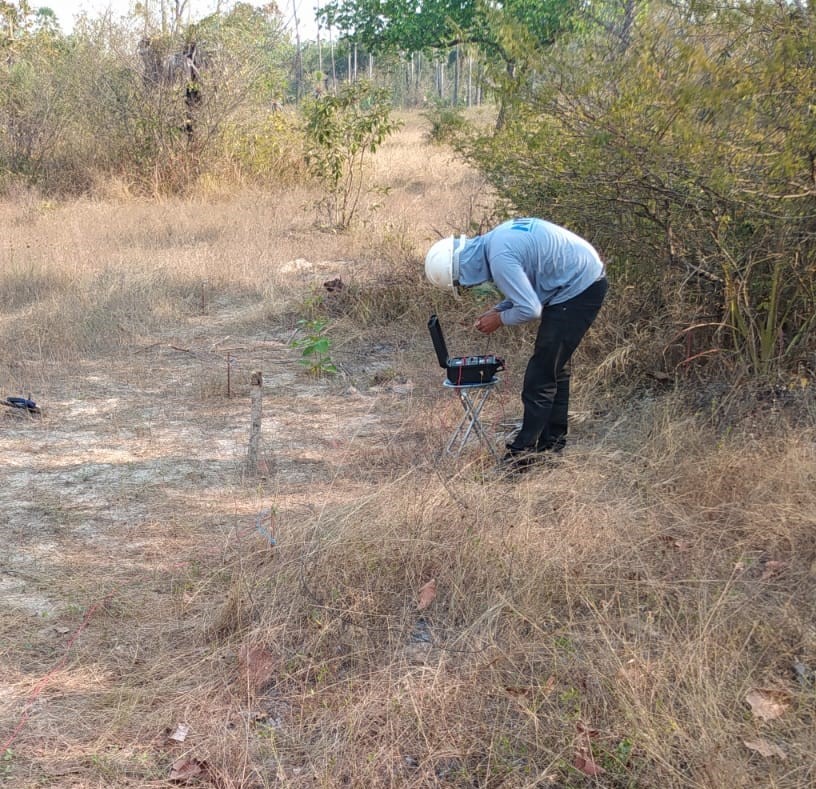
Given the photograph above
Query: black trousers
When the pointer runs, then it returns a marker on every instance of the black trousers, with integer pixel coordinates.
(545, 394)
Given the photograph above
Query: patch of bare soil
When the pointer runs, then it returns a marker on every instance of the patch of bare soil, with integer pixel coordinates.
(127, 507)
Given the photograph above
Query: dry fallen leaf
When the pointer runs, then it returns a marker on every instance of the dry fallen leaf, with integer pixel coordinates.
(257, 665)
(184, 769)
(584, 762)
(772, 569)
(766, 704)
(526, 690)
(516, 690)
(765, 748)
(181, 732)
(586, 730)
(427, 594)
(405, 388)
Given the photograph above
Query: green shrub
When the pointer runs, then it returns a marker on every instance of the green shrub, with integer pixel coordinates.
(446, 123)
(342, 131)
(264, 149)
(315, 347)
(674, 154)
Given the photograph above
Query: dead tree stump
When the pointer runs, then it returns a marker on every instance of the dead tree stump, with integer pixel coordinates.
(256, 402)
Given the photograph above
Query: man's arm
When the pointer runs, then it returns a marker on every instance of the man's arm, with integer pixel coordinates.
(511, 280)
(488, 321)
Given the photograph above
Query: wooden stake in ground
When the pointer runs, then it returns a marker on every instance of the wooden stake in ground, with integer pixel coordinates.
(255, 399)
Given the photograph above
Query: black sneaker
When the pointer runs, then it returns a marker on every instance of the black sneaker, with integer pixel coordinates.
(553, 447)
(516, 462)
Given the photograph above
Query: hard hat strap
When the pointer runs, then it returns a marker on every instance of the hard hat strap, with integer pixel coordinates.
(457, 249)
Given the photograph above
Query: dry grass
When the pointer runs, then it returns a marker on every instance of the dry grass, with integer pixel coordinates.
(616, 609)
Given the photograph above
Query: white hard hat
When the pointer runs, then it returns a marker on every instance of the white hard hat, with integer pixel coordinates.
(442, 262)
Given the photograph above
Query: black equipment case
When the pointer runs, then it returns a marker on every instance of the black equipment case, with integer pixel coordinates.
(462, 370)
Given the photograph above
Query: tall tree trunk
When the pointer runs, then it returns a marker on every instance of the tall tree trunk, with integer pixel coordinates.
(298, 55)
(319, 48)
(626, 27)
(178, 15)
(479, 85)
(470, 80)
(456, 77)
(501, 117)
(334, 67)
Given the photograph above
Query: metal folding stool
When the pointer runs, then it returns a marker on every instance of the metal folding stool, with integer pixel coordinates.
(473, 398)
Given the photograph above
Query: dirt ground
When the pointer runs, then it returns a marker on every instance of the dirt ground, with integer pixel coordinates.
(129, 517)
(128, 490)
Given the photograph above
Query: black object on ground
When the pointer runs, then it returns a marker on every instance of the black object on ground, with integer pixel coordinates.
(22, 403)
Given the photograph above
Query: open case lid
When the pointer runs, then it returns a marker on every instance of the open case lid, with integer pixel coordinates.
(438, 340)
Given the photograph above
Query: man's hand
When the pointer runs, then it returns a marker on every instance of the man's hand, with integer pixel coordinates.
(488, 322)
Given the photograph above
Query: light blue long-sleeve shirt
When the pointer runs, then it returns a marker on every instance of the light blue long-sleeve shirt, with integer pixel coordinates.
(533, 263)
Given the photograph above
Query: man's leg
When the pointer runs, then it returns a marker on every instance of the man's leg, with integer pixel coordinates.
(554, 436)
(545, 394)
(541, 380)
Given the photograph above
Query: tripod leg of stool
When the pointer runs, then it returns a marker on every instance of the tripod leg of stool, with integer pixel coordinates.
(453, 439)
(478, 428)
(461, 433)
(473, 400)
(471, 424)
(471, 413)
(485, 439)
